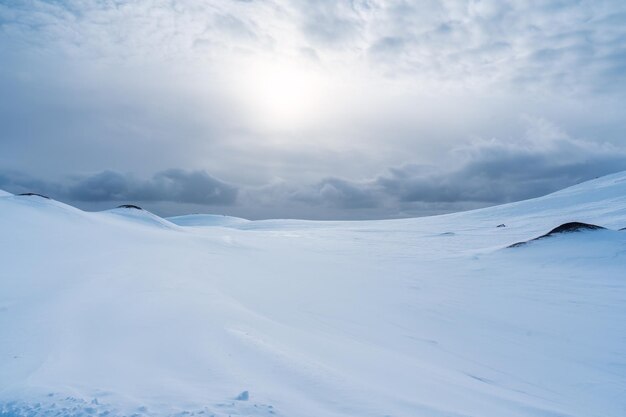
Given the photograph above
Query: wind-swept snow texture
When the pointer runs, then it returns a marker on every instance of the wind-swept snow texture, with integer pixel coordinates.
(124, 313)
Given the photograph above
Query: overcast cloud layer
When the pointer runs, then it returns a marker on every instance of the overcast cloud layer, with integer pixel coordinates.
(324, 109)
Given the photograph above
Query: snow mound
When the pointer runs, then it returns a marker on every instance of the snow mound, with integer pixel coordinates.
(207, 220)
(139, 216)
(5, 193)
(123, 313)
(29, 203)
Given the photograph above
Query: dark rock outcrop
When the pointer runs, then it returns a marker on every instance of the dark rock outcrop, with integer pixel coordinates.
(35, 194)
(570, 227)
(130, 206)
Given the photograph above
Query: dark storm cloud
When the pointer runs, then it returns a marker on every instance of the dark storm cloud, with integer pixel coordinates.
(18, 182)
(190, 187)
(494, 171)
(104, 186)
(196, 187)
(482, 172)
(543, 160)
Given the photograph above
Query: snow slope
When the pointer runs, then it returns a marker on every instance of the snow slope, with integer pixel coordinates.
(206, 220)
(140, 215)
(109, 314)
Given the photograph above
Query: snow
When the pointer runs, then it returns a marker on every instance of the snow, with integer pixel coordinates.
(5, 193)
(124, 313)
(206, 220)
(140, 216)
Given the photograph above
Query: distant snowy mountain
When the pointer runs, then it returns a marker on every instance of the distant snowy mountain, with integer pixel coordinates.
(125, 313)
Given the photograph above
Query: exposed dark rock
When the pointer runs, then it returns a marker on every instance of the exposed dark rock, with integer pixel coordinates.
(35, 194)
(501, 225)
(572, 227)
(564, 228)
(130, 206)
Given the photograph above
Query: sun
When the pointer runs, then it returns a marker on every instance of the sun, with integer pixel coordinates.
(284, 94)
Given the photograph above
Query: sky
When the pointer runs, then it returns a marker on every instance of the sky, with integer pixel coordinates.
(309, 109)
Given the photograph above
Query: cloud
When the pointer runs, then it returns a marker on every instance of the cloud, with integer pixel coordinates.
(174, 185)
(479, 173)
(330, 23)
(104, 186)
(404, 87)
(196, 187)
(554, 44)
(543, 160)
(562, 46)
(18, 182)
(338, 192)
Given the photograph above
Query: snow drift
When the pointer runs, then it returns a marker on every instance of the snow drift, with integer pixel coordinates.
(126, 313)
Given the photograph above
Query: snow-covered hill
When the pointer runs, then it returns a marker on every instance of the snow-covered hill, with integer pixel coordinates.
(125, 313)
(206, 220)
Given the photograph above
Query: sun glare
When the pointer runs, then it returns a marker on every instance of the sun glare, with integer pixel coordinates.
(284, 95)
